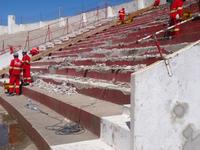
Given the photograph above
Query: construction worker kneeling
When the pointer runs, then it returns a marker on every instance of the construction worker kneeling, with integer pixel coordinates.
(15, 72)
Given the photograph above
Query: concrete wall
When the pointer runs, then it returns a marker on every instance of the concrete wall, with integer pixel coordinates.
(165, 110)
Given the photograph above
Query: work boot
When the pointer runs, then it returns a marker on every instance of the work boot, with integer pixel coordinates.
(25, 84)
(11, 94)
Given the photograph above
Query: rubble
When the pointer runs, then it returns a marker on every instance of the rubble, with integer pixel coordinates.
(62, 89)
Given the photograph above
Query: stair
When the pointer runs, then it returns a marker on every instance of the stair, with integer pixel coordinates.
(99, 67)
(38, 122)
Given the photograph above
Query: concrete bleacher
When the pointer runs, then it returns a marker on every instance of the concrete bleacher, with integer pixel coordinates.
(99, 67)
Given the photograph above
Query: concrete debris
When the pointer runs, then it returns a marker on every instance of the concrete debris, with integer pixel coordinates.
(62, 89)
(86, 83)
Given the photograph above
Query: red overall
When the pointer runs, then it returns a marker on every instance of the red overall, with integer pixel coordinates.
(26, 69)
(176, 8)
(11, 49)
(122, 14)
(156, 3)
(180, 8)
(34, 51)
(15, 71)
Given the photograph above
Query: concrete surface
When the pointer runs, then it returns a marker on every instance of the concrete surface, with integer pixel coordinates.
(37, 123)
(164, 109)
(92, 105)
(86, 145)
(115, 131)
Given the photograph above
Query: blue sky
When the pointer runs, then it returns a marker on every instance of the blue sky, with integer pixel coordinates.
(35, 10)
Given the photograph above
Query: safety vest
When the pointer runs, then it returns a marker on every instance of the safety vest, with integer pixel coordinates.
(15, 67)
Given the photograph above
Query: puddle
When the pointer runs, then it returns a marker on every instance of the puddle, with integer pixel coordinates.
(12, 136)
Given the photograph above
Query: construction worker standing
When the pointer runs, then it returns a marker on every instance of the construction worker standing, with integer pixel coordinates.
(11, 49)
(15, 71)
(122, 15)
(180, 9)
(176, 12)
(26, 68)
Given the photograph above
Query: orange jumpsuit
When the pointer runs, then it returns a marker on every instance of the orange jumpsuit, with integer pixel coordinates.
(15, 71)
(26, 69)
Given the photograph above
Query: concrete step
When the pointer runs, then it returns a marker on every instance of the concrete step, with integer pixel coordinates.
(115, 131)
(85, 145)
(77, 107)
(111, 73)
(42, 123)
(118, 92)
(114, 54)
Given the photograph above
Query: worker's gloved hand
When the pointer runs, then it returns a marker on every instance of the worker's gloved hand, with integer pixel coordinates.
(177, 17)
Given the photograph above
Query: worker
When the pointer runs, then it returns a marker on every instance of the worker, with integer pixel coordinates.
(34, 51)
(122, 15)
(11, 49)
(180, 9)
(14, 72)
(176, 12)
(156, 3)
(26, 68)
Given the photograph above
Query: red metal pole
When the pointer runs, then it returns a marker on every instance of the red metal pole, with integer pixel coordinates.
(67, 24)
(106, 5)
(160, 50)
(27, 44)
(3, 47)
(48, 34)
(97, 13)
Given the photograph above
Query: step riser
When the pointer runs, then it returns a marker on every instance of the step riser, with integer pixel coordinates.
(108, 75)
(120, 63)
(43, 63)
(147, 61)
(114, 96)
(72, 51)
(30, 131)
(89, 121)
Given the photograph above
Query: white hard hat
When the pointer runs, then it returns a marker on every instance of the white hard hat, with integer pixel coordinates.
(24, 51)
(15, 54)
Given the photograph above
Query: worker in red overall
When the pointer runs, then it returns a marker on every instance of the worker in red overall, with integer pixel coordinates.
(156, 3)
(122, 15)
(11, 49)
(176, 12)
(15, 71)
(34, 51)
(180, 9)
(26, 68)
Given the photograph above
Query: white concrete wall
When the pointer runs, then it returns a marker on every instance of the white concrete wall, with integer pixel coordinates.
(165, 110)
(3, 30)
